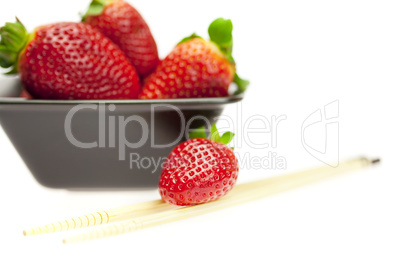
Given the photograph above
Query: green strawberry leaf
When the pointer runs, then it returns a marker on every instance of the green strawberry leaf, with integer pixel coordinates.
(198, 133)
(242, 84)
(227, 137)
(7, 57)
(13, 40)
(95, 8)
(220, 32)
(215, 134)
(13, 70)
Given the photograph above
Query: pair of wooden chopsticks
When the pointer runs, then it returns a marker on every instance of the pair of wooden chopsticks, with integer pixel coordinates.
(157, 212)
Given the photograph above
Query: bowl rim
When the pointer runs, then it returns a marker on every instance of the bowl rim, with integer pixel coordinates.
(212, 100)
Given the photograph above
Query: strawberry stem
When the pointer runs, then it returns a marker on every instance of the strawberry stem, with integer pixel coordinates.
(13, 40)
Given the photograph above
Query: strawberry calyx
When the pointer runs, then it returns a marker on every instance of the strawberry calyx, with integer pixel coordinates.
(192, 36)
(200, 133)
(96, 8)
(13, 40)
(242, 84)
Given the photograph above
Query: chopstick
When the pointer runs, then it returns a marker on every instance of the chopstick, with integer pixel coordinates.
(102, 217)
(244, 193)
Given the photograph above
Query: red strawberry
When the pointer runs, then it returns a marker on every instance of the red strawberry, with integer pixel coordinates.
(122, 23)
(196, 67)
(67, 61)
(199, 170)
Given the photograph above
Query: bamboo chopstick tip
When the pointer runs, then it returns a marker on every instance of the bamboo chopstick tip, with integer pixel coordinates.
(375, 161)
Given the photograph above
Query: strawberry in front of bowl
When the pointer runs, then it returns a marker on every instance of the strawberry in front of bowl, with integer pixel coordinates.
(199, 170)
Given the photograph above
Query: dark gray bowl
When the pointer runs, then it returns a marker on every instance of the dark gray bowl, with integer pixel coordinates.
(94, 154)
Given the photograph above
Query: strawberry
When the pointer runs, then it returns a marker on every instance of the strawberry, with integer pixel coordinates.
(196, 67)
(122, 23)
(199, 170)
(67, 61)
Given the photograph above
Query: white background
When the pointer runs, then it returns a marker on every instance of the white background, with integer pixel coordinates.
(299, 56)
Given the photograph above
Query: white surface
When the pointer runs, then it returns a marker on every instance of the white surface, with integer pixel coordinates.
(299, 56)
